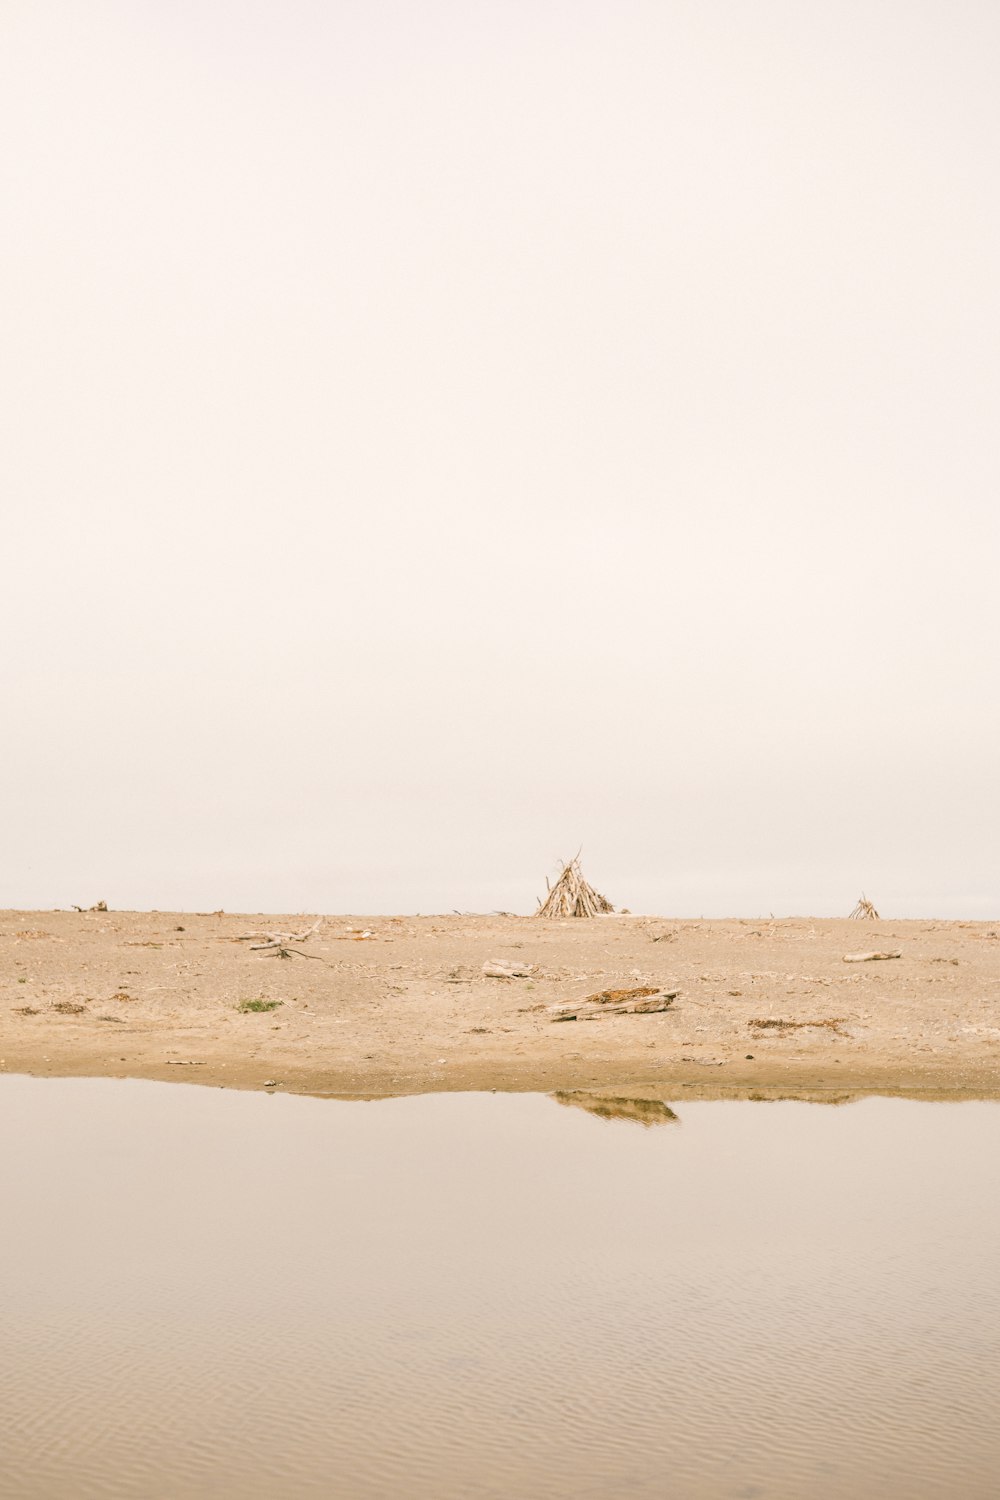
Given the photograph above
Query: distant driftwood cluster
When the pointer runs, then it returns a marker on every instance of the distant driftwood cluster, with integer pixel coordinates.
(573, 896)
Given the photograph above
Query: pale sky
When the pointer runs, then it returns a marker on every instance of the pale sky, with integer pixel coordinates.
(439, 435)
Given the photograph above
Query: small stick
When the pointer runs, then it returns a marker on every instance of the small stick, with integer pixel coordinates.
(867, 958)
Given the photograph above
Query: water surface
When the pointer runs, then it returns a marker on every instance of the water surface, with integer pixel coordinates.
(210, 1293)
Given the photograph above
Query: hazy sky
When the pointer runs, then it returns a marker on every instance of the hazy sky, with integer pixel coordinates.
(438, 435)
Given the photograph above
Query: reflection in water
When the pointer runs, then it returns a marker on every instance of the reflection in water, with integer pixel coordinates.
(641, 1111)
(477, 1297)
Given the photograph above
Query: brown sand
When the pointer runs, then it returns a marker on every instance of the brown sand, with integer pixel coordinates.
(407, 1009)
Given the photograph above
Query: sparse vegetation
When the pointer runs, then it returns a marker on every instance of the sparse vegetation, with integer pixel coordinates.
(255, 1007)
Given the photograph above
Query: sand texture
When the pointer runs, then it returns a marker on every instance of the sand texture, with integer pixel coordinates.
(393, 1005)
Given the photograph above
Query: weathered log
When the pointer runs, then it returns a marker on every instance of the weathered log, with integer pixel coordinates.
(591, 1009)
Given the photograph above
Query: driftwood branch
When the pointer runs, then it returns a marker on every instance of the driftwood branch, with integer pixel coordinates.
(277, 944)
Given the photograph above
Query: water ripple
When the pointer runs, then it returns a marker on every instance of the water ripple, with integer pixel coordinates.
(218, 1295)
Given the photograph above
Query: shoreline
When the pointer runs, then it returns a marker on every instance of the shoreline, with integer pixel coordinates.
(371, 1007)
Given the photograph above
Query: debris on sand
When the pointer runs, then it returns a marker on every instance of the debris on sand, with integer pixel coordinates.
(618, 997)
(642, 1001)
(770, 1023)
(98, 906)
(868, 958)
(644, 1112)
(573, 896)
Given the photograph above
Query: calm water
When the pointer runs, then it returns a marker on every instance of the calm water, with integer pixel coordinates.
(208, 1293)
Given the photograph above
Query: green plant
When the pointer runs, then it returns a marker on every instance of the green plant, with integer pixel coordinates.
(256, 1006)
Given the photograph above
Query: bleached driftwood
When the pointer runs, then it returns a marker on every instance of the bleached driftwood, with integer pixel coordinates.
(499, 969)
(867, 958)
(864, 911)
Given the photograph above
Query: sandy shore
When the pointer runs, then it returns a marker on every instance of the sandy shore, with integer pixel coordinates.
(393, 1005)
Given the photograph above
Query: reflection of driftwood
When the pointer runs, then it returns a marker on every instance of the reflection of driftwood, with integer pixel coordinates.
(637, 1002)
(642, 1111)
(867, 958)
(98, 906)
(864, 911)
(277, 944)
(572, 896)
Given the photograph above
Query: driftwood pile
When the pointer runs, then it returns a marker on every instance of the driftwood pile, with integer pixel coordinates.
(642, 1001)
(864, 911)
(573, 896)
